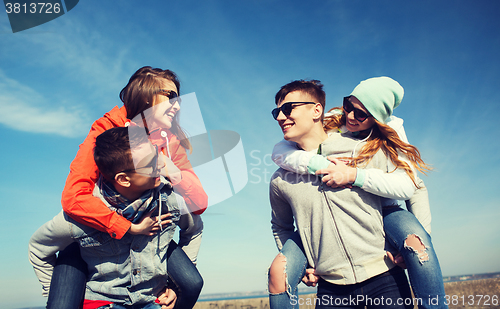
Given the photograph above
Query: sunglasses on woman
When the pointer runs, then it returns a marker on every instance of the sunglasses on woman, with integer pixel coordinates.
(359, 115)
(287, 108)
(169, 93)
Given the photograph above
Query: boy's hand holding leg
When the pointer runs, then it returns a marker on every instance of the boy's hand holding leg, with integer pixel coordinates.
(310, 278)
(398, 259)
(167, 299)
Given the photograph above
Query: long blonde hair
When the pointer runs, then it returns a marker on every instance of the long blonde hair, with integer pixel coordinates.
(382, 137)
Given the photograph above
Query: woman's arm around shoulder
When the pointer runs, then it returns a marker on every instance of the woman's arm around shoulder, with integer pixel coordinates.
(77, 199)
(287, 156)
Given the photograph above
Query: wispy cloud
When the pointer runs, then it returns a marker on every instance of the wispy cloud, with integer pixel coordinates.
(90, 64)
(89, 69)
(22, 108)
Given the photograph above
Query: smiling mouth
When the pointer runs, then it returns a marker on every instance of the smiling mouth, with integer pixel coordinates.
(286, 127)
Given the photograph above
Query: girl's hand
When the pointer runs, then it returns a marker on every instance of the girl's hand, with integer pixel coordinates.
(149, 225)
(310, 279)
(338, 174)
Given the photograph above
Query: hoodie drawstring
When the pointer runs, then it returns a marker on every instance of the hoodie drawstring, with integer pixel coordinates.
(364, 139)
(160, 206)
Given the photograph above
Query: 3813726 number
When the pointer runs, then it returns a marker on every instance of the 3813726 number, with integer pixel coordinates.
(471, 300)
(33, 8)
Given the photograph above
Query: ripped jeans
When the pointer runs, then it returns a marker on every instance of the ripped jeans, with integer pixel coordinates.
(295, 269)
(423, 267)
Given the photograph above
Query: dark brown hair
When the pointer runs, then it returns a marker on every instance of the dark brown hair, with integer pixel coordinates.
(112, 152)
(312, 87)
(139, 95)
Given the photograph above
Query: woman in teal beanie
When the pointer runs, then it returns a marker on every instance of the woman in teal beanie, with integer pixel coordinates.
(367, 114)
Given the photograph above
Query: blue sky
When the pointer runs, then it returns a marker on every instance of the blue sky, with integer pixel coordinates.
(57, 78)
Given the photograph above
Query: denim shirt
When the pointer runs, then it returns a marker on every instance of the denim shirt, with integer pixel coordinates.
(132, 270)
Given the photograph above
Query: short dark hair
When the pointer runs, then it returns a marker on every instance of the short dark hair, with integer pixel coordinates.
(312, 87)
(112, 152)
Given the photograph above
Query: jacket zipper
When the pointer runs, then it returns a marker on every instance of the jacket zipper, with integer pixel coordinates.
(336, 227)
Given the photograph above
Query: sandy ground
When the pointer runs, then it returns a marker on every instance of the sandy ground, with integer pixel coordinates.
(484, 293)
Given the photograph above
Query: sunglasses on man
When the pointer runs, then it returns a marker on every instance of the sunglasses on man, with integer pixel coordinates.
(150, 169)
(287, 108)
(359, 115)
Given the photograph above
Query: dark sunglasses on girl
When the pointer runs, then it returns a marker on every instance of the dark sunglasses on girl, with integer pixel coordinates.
(169, 93)
(287, 108)
(359, 115)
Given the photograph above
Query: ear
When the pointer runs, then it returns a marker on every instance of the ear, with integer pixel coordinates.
(317, 111)
(122, 179)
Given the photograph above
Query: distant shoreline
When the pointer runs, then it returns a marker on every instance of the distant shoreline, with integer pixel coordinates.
(260, 295)
(471, 277)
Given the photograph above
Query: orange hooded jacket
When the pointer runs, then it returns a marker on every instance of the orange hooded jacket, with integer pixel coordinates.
(78, 201)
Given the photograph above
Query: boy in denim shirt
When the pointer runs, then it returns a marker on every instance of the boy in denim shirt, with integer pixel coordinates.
(132, 270)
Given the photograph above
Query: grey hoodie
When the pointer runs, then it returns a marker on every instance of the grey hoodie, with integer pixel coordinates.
(341, 229)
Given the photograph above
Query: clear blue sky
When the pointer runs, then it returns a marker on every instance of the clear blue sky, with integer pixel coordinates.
(57, 78)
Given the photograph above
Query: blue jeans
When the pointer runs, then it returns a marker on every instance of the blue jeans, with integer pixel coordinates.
(425, 276)
(295, 269)
(185, 277)
(67, 287)
(387, 290)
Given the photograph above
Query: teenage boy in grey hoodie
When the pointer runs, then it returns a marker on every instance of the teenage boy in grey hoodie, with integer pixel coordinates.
(341, 229)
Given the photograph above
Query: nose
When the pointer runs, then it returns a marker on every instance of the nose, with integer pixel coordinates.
(176, 106)
(350, 115)
(281, 116)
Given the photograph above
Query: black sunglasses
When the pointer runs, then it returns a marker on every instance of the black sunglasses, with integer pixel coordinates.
(359, 115)
(170, 94)
(287, 108)
(151, 169)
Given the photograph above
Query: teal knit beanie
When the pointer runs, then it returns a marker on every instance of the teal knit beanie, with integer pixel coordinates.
(380, 96)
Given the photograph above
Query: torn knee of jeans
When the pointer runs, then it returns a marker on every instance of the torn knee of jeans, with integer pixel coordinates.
(276, 284)
(415, 244)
